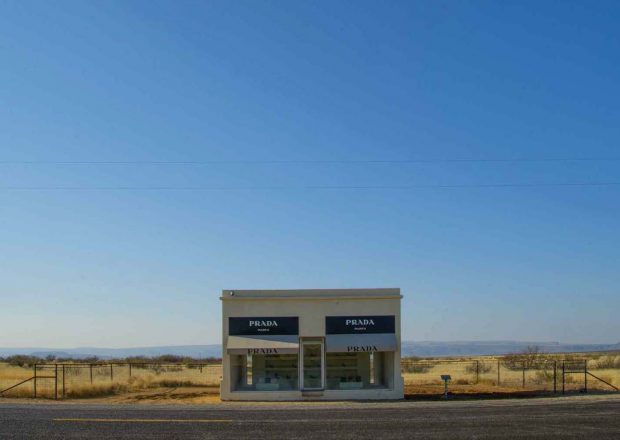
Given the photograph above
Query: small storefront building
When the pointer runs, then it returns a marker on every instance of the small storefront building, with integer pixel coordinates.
(323, 344)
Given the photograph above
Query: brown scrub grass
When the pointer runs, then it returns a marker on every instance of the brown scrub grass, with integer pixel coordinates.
(420, 378)
(11, 375)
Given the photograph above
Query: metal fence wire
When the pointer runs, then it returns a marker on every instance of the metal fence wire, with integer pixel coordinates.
(86, 380)
(495, 375)
(421, 376)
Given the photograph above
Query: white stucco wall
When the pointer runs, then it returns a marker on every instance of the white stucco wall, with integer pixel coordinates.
(312, 306)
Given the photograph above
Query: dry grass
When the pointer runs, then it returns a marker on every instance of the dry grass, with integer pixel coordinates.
(421, 377)
(78, 383)
(422, 374)
(185, 395)
(11, 375)
(609, 362)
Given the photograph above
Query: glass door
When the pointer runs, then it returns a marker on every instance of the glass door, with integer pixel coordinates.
(312, 365)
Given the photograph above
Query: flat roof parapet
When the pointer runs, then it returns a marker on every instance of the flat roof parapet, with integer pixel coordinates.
(292, 294)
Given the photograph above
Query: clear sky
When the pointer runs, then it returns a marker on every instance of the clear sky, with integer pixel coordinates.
(109, 254)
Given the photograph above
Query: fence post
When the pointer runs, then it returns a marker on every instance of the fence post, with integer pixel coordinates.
(91, 373)
(35, 381)
(563, 375)
(555, 377)
(523, 363)
(111, 373)
(129, 369)
(585, 376)
(63, 381)
(55, 381)
(477, 371)
(498, 372)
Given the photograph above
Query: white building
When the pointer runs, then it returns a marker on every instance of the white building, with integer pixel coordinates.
(311, 344)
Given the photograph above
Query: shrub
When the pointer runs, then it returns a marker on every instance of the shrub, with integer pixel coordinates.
(96, 390)
(543, 376)
(606, 363)
(479, 367)
(531, 357)
(417, 367)
(21, 360)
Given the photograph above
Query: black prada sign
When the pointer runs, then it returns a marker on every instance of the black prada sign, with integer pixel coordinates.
(361, 348)
(343, 325)
(263, 326)
(263, 351)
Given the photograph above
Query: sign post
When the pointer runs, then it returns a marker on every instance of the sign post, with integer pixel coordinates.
(446, 378)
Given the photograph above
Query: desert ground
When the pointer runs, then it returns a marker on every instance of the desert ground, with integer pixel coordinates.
(488, 376)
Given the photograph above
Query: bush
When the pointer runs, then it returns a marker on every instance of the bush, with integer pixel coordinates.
(606, 363)
(417, 367)
(479, 367)
(96, 390)
(21, 360)
(543, 376)
(530, 358)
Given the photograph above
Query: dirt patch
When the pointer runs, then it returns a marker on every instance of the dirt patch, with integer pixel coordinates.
(210, 395)
(465, 389)
(181, 395)
(480, 391)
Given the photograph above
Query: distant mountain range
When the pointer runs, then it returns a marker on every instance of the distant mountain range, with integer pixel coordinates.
(409, 348)
(483, 348)
(194, 351)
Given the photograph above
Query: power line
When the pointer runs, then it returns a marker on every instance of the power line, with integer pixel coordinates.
(305, 187)
(305, 162)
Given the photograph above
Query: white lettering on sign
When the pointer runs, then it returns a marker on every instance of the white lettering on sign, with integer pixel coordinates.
(361, 348)
(360, 322)
(262, 351)
(263, 323)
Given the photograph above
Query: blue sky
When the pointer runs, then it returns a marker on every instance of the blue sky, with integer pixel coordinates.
(141, 81)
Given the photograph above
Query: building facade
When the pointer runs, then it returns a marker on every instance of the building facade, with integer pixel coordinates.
(318, 344)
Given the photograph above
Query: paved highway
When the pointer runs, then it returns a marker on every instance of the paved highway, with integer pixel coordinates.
(566, 418)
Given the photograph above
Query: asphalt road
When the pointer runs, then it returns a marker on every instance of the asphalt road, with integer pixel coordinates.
(565, 418)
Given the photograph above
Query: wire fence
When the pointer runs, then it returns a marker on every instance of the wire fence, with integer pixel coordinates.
(91, 380)
(506, 375)
(421, 376)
